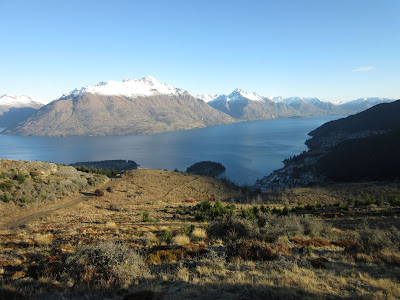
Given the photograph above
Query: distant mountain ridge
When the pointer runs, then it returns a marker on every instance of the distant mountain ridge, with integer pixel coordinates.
(248, 106)
(241, 105)
(364, 103)
(19, 101)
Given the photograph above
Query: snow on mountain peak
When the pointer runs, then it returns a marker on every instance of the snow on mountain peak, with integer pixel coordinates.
(146, 86)
(293, 100)
(18, 101)
(370, 101)
(207, 97)
(238, 94)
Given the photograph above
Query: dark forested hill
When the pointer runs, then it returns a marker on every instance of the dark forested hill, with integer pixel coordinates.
(365, 146)
(383, 116)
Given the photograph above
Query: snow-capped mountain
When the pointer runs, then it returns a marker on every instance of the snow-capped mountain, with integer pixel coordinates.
(146, 86)
(372, 100)
(117, 108)
(252, 106)
(207, 97)
(292, 100)
(15, 108)
(18, 101)
(361, 104)
(239, 95)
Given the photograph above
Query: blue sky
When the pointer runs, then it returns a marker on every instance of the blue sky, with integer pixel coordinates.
(336, 50)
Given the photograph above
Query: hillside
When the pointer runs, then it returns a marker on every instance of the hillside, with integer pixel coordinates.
(24, 183)
(169, 235)
(95, 114)
(360, 147)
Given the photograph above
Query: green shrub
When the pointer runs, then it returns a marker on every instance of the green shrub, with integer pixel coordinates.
(188, 229)
(369, 199)
(20, 178)
(206, 212)
(5, 197)
(6, 186)
(394, 201)
(146, 217)
(167, 236)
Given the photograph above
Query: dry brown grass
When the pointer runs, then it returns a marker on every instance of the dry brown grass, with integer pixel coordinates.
(180, 240)
(199, 233)
(179, 269)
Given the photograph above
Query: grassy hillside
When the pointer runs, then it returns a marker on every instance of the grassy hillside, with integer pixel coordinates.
(170, 235)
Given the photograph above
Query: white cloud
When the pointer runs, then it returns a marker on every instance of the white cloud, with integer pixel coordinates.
(363, 69)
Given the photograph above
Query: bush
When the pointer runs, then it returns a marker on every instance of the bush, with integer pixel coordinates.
(146, 217)
(205, 211)
(375, 240)
(20, 178)
(235, 227)
(394, 201)
(99, 192)
(167, 236)
(6, 186)
(315, 228)
(106, 262)
(277, 226)
(5, 197)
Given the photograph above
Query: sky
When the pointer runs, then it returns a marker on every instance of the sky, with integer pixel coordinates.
(338, 50)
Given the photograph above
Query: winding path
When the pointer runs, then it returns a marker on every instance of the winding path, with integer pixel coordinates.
(86, 196)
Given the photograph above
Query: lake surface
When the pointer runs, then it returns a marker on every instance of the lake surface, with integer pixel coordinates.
(248, 150)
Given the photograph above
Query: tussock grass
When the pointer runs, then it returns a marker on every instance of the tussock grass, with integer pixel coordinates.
(180, 240)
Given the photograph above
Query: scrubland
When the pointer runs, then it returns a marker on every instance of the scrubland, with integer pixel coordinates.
(168, 235)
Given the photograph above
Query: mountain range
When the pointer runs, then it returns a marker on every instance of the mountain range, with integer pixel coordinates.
(143, 106)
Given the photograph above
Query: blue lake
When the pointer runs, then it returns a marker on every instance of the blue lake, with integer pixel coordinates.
(248, 150)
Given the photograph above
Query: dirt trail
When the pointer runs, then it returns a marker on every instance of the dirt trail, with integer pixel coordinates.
(85, 196)
(178, 187)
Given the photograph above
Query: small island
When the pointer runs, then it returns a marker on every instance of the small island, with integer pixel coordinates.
(207, 168)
